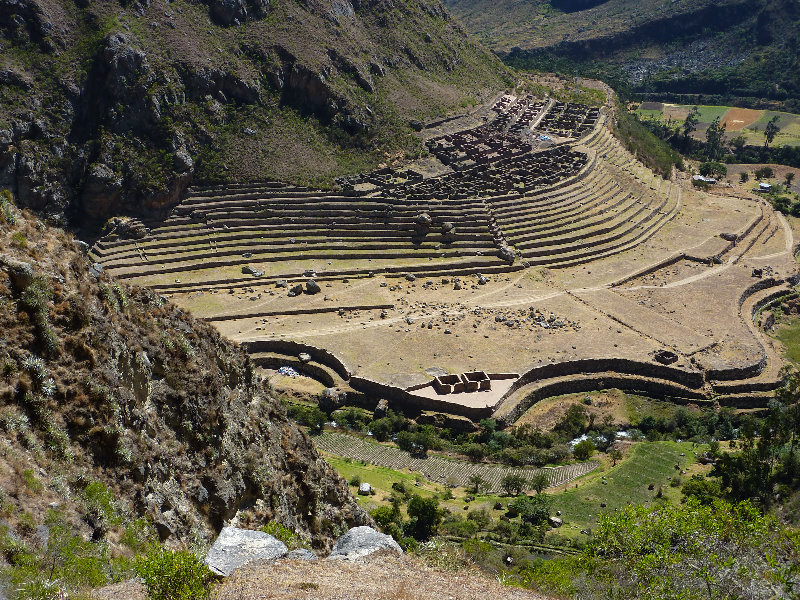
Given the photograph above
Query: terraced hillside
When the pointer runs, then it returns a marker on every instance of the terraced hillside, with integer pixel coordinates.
(507, 193)
(529, 244)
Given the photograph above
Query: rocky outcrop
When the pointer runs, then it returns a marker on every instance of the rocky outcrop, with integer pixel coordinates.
(142, 118)
(152, 403)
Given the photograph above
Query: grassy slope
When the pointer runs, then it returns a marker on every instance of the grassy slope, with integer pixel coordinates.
(648, 463)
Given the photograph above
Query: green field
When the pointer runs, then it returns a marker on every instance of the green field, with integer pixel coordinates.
(788, 123)
(648, 463)
(789, 335)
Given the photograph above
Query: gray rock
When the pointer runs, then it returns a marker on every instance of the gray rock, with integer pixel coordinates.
(506, 252)
(312, 287)
(234, 548)
(331, 398)
(363, 541)
(381, 410)
(248, 270)
(21, 273)
(301, 554)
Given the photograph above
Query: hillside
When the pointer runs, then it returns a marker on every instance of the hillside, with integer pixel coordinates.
(107, 384)
(113, 107)
(746, 51)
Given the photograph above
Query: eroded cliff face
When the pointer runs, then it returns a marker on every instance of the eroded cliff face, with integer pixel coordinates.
(113, 107)
(109, 383)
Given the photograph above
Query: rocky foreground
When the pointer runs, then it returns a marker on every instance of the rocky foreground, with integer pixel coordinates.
(111, 384)
(363, 564)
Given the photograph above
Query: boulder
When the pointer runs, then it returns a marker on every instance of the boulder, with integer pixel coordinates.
(248, 270)
(363, 541)
(20, 273)
(506, 253)
(382, 409)
(331, 398)
(236, 547)
(312, 287)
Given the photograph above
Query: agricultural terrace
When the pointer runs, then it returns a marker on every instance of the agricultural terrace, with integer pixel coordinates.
(747, 122)
(529, 245)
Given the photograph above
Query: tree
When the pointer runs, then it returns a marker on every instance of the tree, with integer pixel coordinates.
(770, 131)
(615, 454)
(695, 551)
(424, 517)
(690, 124)
(533, 509)
(477, 483)
(714, 169)
(583, 450)
(475, 452)
(513, 484)
(714, 136)
(539, 482)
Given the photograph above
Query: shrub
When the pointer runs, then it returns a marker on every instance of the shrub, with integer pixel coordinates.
(174, 575)
(583, 450)
(764, 173)
(713, 169)
(284, 534)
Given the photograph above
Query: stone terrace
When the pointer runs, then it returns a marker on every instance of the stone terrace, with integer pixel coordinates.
(563, 259)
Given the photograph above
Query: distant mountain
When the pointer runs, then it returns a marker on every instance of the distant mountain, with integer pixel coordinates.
(110, 107)
(745, 50)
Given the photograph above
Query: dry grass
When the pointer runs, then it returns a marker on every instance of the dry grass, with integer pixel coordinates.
(380, 577)
(383, 577)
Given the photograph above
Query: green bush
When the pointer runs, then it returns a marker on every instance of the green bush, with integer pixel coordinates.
(583, 450)
(284, 534)
(174, 575)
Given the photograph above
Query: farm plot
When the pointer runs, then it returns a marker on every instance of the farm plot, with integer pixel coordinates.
(439, 469)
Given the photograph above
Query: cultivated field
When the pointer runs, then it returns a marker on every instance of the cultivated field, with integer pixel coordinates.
(439, 469)
(746, 122)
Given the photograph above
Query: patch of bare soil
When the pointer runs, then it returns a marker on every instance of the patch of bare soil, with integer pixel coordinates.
(739, 118)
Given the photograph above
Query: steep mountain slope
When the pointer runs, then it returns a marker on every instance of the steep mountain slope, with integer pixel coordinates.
(733, 48)
(109, 107)
(106, 383)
